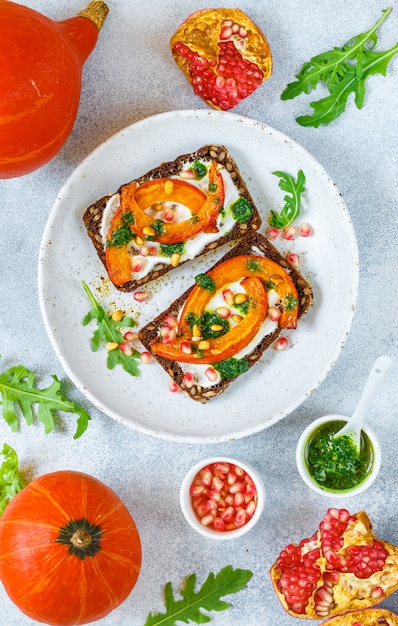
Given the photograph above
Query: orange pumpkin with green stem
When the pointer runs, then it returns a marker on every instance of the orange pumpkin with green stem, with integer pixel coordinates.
(40, 67)
(70, 551)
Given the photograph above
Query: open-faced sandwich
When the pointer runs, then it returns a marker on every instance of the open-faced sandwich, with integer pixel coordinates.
(342, 567)
(171, 214)
(220, 327)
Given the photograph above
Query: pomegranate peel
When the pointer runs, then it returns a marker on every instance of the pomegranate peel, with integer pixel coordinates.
(342, 567)
(365, 617)
(223, 54)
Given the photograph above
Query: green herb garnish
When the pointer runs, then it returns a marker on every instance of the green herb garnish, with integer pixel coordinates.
(290, 303)
(108, 332)
(230, 368)
(241, 210)
(19, 396)
(208, 597)
(212, 187)
(291, 210)
(207, 320)
(11, 481)
(253, 265)
(199, 169)
(168, 249)
(342, 71)
(206, 282)
(123, 234)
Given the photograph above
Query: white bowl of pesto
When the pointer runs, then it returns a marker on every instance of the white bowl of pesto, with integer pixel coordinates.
(332, 466)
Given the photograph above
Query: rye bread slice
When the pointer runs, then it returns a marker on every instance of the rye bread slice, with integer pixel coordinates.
(253, 243)
(93, 215)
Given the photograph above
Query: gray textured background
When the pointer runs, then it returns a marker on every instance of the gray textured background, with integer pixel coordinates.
(129, 76)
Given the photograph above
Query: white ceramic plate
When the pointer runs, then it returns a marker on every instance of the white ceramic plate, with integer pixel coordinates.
(281, 381)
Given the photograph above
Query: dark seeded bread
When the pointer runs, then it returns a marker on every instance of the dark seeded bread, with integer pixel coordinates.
(149, 333)
(92, 217)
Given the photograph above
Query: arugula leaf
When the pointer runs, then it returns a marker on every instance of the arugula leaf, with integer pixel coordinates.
(208, 597)
(11, 481)
(18, 391)
(291, 210)
(108, 332)
(343, 71)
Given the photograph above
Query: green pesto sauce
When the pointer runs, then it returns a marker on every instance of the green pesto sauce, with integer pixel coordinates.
(335, 463)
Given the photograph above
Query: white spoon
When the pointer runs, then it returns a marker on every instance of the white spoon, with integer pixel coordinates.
(353, 427)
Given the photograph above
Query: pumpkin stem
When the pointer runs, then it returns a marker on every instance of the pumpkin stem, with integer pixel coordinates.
(96, 11)
(81, 538)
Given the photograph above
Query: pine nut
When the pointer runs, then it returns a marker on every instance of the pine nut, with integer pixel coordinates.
(204, 345)
(149, 231)
(168, 187)
(139, 241)
(117, 316)
(196, 332)
(216, 327)
(111, 345)
(237, 318)
(240, 298)
(175, 259)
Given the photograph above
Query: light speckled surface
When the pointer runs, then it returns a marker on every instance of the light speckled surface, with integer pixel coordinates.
(131, 75)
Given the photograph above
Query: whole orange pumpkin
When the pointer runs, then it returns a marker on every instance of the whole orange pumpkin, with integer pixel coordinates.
(40, 76)
(70, 551)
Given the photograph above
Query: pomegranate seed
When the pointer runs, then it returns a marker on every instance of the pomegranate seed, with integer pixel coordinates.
(305, 230)
(171, 321)
(237, 487)
(251, 507)
(221, 468)
(228, 514)
(239, 499)
(188, 380)
(153, 251)
(238, 471)
(293, 259)
(140, 296)
(207, 520)
(273, 233)
(274, 314)
(228, 296)
(144, 251)
(217, 483)
(169, 214)
(206, 477)
(211, 374)
(169, 336)
(126, 348)
(130, 336)
(173, 387)
(137, 265)
(211, 505)
(231, 478)
(281, 343)
(185, 347)
(223, 312)
(145, 357)
(218, 524)
(240, 517)
(201, 510)
(213, 495)
(251, 490)
(187, 174)
(289, 233)
(197, 490)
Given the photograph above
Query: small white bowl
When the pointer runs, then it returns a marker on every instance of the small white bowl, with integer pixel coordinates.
(189, 512)
(312, 483)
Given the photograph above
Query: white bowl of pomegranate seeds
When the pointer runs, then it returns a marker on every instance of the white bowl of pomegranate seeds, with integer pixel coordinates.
(222, 498)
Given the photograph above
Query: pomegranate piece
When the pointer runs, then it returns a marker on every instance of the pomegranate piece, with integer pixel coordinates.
(342, 567)
(223, 54)
(365, 617)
